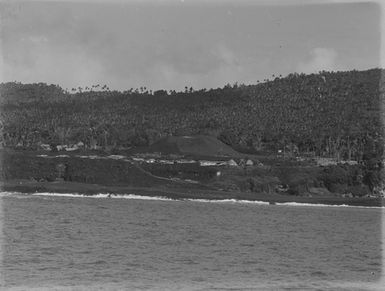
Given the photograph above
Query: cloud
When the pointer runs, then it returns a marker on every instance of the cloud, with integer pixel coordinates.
(66, 67)
(320, 59)
(124, 46)
(199, 69)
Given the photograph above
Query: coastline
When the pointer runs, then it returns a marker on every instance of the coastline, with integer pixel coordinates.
(32, 187)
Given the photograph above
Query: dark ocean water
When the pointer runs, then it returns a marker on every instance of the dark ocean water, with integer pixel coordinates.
(69, 243)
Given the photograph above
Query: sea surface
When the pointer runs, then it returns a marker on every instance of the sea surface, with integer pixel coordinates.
(81, 243)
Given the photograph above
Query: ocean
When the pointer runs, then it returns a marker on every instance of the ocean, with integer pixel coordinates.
(72, 242)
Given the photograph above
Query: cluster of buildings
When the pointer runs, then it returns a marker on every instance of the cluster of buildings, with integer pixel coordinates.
(153, 158)
(68, 148)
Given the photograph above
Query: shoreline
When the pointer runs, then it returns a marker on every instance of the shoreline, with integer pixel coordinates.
(61, 187)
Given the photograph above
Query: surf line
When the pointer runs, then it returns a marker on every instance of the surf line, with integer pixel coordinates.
(163, 198)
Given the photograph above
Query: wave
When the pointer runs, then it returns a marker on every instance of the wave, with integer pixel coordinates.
(163, 198)
(155, 198)
(142, 197)
(324, 205)
(312, 204)
(228, 201)
(104, 195)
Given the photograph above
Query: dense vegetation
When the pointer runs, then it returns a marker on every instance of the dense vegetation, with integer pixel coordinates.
(328, 114)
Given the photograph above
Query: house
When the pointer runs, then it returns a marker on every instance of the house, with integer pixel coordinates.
(232, 163)
(61, 147)
(249, 163)
(206, 163)
(212, 163)
(72, 148)
(45, 147)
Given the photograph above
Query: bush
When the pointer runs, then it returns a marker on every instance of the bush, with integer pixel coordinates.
(358, 190)
(334, 175)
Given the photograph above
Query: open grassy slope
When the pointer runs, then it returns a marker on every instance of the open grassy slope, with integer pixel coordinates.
(199, 145)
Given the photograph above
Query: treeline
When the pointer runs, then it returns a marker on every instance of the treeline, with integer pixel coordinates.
(334, 114)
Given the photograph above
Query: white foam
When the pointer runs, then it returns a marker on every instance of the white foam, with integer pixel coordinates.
(104, 195)
(69, 195)
(228, 201)
(162, 198)
(140, 197)
(324, 205)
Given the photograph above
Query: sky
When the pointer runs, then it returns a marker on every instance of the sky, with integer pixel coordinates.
(173, 44)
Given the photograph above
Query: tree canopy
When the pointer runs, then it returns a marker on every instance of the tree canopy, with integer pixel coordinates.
(328, 114)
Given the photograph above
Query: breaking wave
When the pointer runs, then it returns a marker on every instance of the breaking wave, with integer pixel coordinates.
(104, 195)
(163, 198)
(142, 197)
(324, 205)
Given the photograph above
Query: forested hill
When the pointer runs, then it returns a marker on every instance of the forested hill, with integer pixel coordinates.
(330, 113)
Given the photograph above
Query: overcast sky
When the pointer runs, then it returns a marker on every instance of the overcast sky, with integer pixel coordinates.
(172, 44)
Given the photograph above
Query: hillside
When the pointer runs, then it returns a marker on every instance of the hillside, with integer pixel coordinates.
(327, 114)
(330, 114)
(200, 145)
